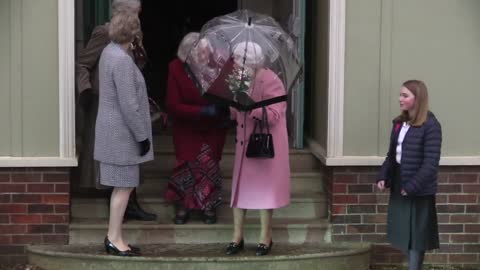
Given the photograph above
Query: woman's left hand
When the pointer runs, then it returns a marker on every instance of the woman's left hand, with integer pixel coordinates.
(403, 192)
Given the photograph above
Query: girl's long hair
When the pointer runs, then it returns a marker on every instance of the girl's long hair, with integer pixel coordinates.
(420, 108)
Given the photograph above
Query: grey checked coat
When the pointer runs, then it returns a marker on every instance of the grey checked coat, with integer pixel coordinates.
(123, 117)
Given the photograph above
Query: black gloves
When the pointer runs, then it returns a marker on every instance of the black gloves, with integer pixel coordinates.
(214, 111)
(209, 111)
(144, 147)
(223, 110)
(244, 99)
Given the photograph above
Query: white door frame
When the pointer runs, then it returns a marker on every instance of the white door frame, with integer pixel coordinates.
(66, 51)
(66, 87)
(336, 77)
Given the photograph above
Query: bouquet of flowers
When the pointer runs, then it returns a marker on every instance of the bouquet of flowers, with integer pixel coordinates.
(238, 81)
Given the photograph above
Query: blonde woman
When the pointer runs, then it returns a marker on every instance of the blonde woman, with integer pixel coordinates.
(88, 86)
(123, 132)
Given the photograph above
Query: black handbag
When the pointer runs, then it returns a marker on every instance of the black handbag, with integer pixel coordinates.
(260, 144)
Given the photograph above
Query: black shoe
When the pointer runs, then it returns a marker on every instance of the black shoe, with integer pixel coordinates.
(263, 249)
(181, 217)
(111, 249)
(134, 248)
(135, 212)
(234, 248)
(209, 217)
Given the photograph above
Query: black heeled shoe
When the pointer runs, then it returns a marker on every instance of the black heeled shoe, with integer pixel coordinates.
(263, 249)
(134, 248)
(234, 248)
(111, 249)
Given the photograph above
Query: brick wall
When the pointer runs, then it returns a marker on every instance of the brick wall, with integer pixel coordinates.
(34, 209)
(358, 213)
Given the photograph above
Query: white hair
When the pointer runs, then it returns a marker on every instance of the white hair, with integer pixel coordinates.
(119, 6)
(205, 44)
(186, 45)
(250, 52)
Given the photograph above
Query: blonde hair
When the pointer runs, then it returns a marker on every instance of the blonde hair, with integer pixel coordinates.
(119, 6)
(186, 45)
(420, 108)
(124, 27)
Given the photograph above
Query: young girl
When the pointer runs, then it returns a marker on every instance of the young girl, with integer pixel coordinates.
(410, 171)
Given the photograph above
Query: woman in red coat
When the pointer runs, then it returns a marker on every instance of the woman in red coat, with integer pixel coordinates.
(198, 140)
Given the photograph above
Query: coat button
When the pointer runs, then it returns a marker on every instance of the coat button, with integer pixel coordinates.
(241, 143)
(241, 125)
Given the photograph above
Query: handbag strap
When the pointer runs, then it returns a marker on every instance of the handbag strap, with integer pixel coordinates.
(263, 123)
(265, 120)
(255, 126)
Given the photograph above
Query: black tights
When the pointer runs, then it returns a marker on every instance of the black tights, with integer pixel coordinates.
(415, 259)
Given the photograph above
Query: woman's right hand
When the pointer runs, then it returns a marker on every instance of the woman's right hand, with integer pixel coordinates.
(209, 111)
(381, 185)
(214, 111)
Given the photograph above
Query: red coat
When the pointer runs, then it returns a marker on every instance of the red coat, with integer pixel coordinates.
(190, 129)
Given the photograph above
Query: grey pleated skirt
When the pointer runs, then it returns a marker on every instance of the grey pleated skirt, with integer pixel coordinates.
(119, 176)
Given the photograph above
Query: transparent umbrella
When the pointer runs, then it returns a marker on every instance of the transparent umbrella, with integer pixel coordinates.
(231, 51)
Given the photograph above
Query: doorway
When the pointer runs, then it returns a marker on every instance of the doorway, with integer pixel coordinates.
(164, 24)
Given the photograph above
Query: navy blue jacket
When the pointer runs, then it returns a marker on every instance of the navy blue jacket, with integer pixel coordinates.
(420, 157)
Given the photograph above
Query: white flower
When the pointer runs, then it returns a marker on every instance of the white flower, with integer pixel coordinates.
(238, 81)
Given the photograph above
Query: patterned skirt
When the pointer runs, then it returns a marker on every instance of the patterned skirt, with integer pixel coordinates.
(119, 176)
(196, 184)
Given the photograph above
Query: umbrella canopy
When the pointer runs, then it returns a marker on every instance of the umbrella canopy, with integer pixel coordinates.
(230, 52)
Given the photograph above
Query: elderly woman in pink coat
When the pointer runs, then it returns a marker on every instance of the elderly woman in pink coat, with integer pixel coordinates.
(262, 184)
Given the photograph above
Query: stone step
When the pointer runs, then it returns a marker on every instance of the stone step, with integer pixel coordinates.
(338, 256)
(304, 206)
(92, 231)
(156, 183)
(301, 160)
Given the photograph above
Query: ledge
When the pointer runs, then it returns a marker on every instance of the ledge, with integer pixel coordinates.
(38, 162)
(320, 153)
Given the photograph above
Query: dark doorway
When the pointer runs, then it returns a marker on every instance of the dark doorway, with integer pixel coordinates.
(164, 23)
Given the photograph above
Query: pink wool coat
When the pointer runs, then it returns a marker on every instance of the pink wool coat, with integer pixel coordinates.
(262, 183)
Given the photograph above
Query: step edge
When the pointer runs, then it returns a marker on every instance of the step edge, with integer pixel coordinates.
(316, 198)
(358, 250)
(171, 150)
(165, 174)
(104, 224)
